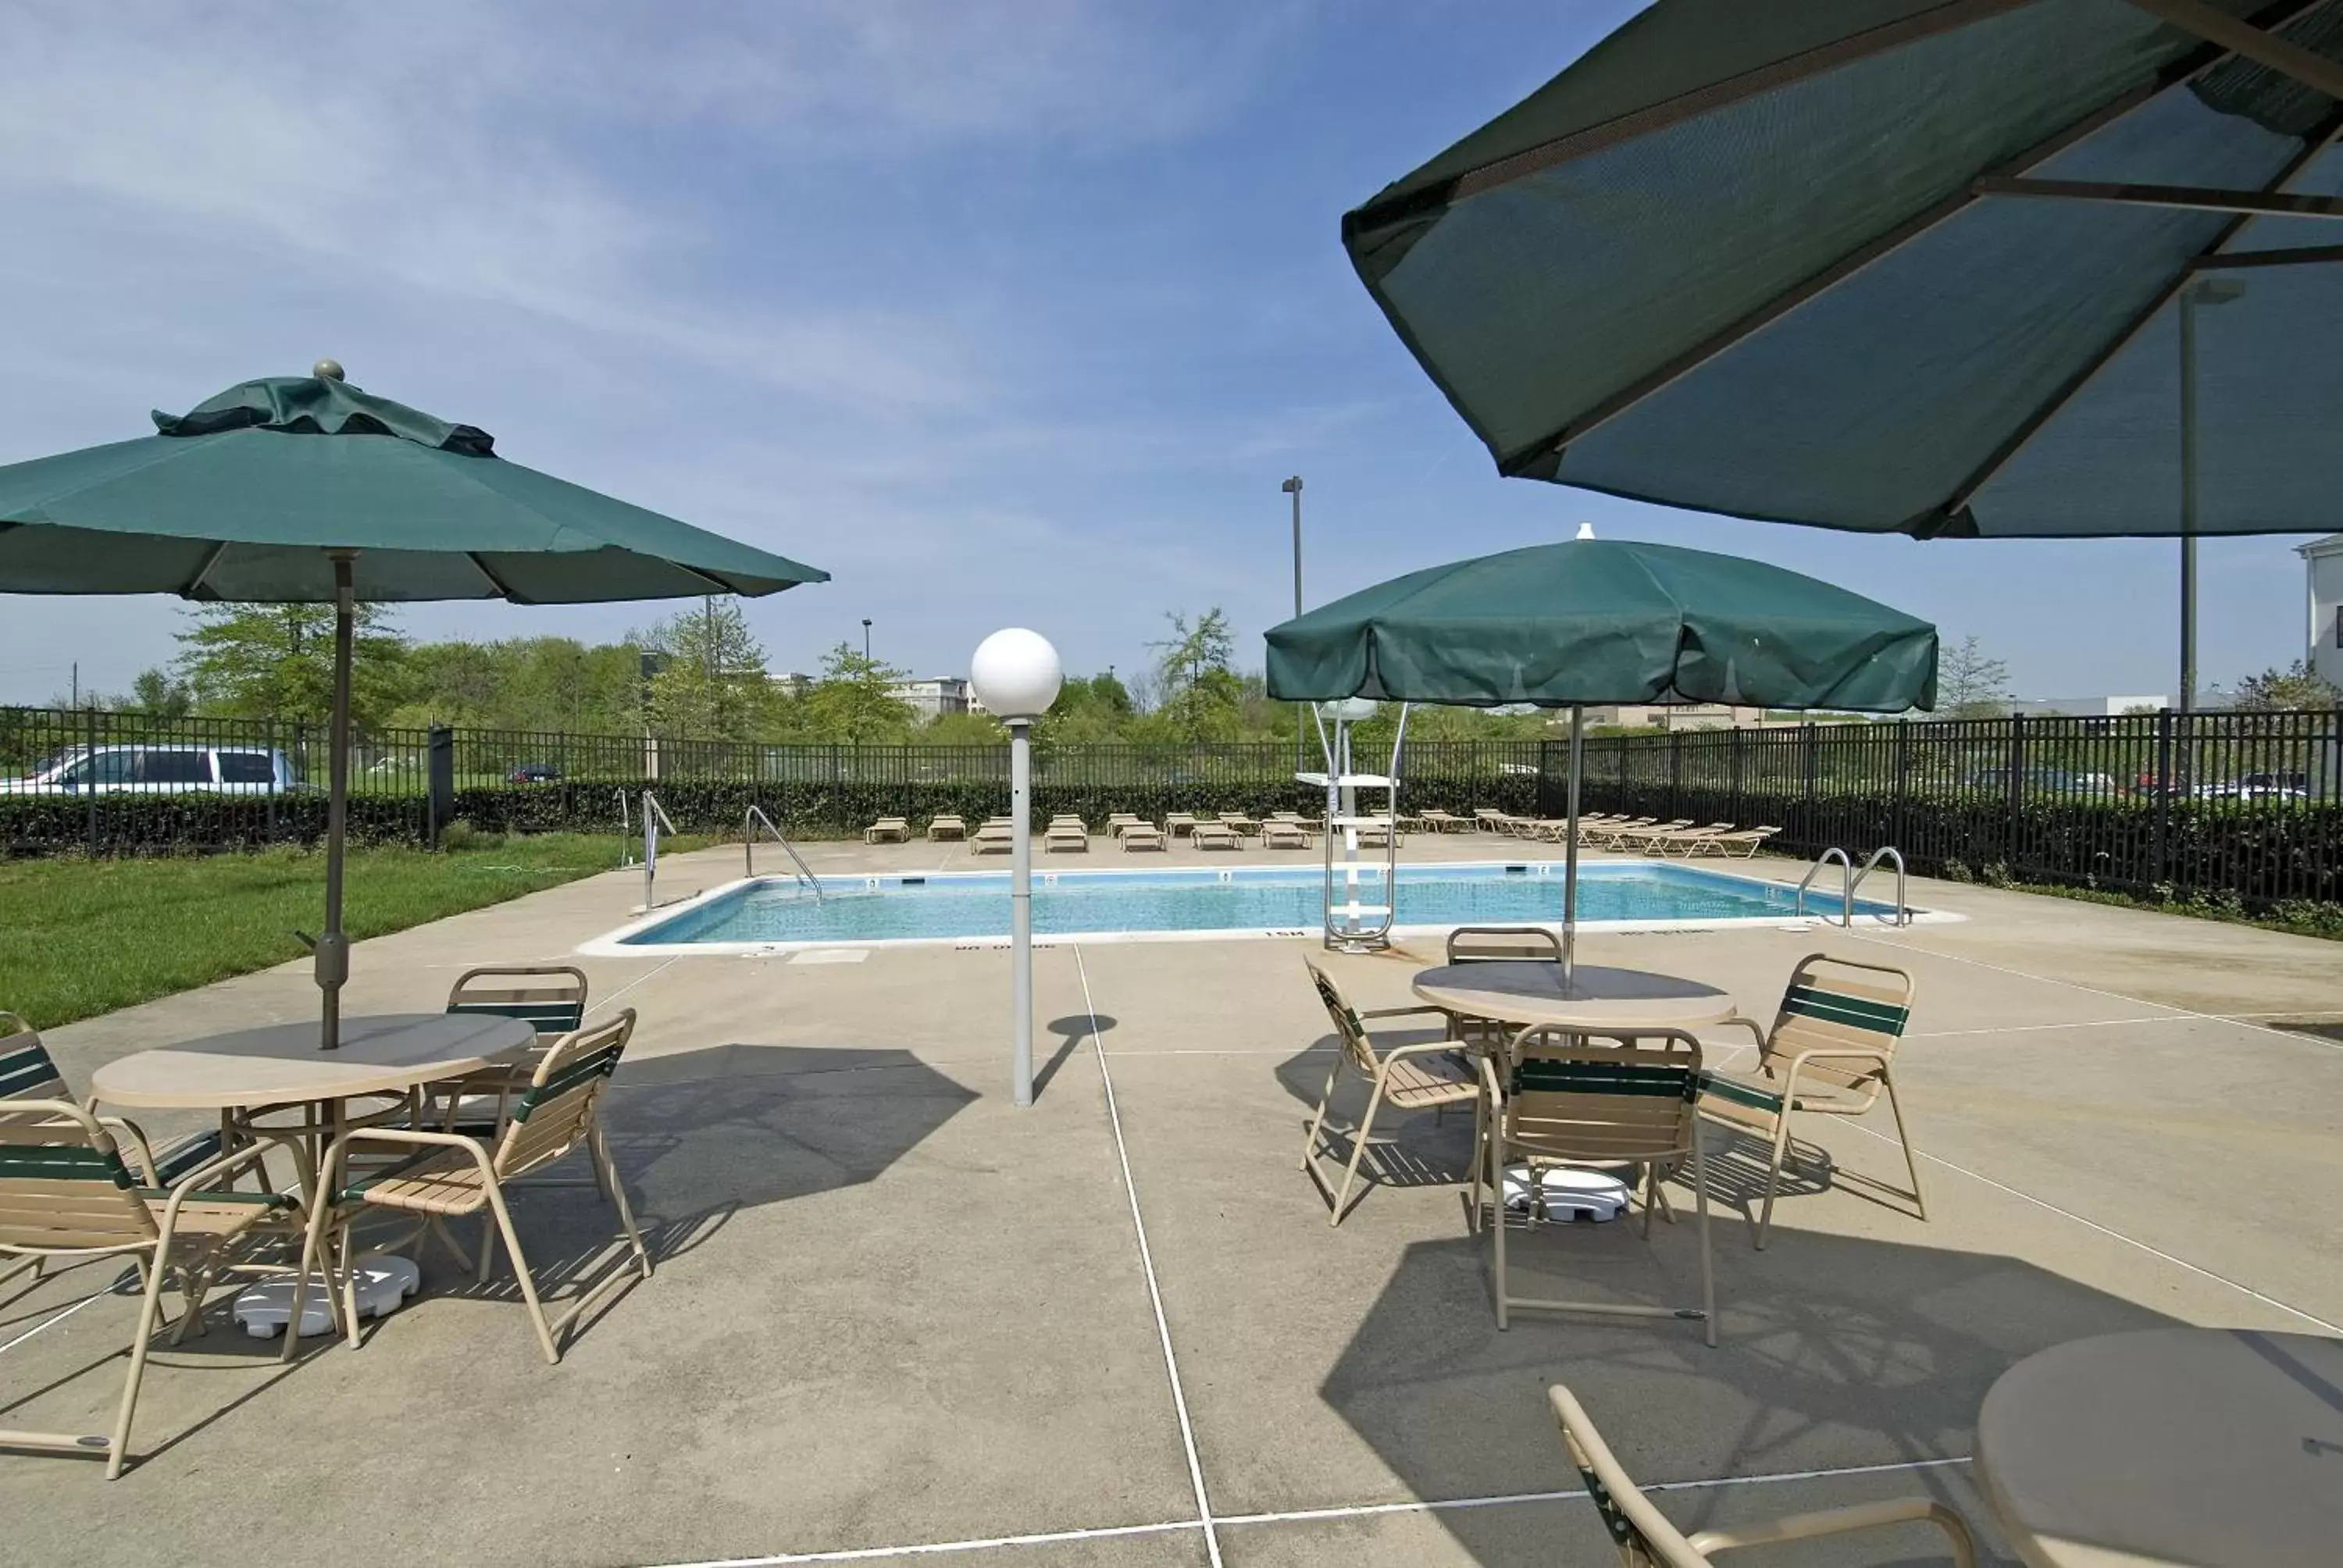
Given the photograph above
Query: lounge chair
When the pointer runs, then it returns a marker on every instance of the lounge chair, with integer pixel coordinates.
(1178, 822)
(998, 835)
(1646, 1538)
(1624, 837)
(1489, 820)
(1215, 836)
(1628, 1107)
(1379, 832)
(1740, 844)
(1422, 1076)
(449, 1176)
(1284, 836)
(1142, 836)
(65, 1192)
(1829, 1051)
(946, 826)
(1067, 833)
(1118, 820)
(888, 830)
(1436, 820)
(1670, 839)
(1244, 824)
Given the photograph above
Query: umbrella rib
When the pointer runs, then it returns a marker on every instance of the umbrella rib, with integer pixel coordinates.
(1416, 204)
(1542, 458)
(2242, 37)
(503, 589)
(1939, 517)
(195, 589)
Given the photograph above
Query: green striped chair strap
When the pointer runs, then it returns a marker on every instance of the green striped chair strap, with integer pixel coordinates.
(593, 1064)
(63, 1161)
(253, 1200)
(178, 1159)
(1854, 1011)
(552, 1016)
(1548, 1075)
(1740, 1093)
(26, 1071)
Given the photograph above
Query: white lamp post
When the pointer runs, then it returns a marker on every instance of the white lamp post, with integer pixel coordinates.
(1016, 674)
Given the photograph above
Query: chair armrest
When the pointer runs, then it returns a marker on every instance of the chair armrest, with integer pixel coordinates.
(1841, 1053)
(227, 1164)
(1751, 1024)
(1429, 1048)
(146, 1169)
(1491, 1084)
(1402, 1011)
(1839, 1520)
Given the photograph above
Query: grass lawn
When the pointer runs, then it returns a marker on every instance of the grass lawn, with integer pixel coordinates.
(79, 938)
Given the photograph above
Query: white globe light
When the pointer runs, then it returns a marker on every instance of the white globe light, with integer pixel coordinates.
(1353, 709)
(1016, 673)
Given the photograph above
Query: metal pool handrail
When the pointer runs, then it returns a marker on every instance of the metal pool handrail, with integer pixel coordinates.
(654, 814)
(1886, 852)
(1846, 886)
(755, 815)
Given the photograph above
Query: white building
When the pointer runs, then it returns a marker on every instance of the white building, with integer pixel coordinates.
(2322, 563)
(2089, 707)
(935, 696)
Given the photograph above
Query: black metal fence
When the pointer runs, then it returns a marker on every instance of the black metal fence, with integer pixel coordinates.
(2243, 805)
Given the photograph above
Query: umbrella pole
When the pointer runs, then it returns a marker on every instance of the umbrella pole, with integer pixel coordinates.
(1570, 853)
(333, 960)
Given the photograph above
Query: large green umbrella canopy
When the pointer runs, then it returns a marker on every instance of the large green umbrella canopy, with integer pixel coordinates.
(240, 498)
(1607, 621)
(306, 488)
(1601, 621)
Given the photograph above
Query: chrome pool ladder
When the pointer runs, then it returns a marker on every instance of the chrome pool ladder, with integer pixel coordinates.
(756, 814)
(1851, 878)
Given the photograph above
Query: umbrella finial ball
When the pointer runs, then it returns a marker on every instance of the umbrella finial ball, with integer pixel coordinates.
(327, 370)
(1586, 530)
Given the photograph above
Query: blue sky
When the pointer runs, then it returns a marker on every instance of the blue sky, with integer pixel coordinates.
(1004, 314)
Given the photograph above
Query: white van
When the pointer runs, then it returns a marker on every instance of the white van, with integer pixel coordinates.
(160, 770)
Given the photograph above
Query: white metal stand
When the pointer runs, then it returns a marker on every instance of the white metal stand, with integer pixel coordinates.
(1353, 925)
(1021, 907)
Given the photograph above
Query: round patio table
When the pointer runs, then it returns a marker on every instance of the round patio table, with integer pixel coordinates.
(280, 1064)
(2212, 1447)
(1601, 1000)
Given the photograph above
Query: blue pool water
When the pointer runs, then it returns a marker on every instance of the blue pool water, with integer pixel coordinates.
(1267, 898)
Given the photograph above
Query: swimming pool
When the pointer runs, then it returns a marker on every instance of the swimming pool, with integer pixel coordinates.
(775, 913)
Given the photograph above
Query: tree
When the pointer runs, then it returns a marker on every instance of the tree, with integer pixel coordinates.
(1198, 696)
(276, 661)
(2297, 686)
(855, 700)
(712, 683)
(1192, 651)
(1969, 685)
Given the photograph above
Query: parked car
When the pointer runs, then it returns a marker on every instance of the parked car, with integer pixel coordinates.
(2044, 781)
(2258, 787)
(533, 773)
(137, 769)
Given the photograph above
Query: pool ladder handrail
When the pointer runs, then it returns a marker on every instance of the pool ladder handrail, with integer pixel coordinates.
(653, 814)
(625, 833)
(1851, 878)
(748, 821)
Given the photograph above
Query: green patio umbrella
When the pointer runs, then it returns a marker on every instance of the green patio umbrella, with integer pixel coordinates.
(1602, 621)
(306, 488)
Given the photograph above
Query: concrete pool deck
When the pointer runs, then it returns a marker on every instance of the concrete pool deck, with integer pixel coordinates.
(895, 1315)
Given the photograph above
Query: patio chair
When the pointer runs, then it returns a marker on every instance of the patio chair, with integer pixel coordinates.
(1379, 832)
(1240, 822)
(946, 826)
(1633, 836)
(989, 840)
(1436, 820)
(1142, 836)
(1628, 1106)
(1829, 1052)
(27, 1072)
(1178, 822)
(1496, 944)
(1489, 820)
(1215, 836)
(1741, 843)
(449, 1176)
(1646, 1538)
(1666, 839)
(1605, 835)
(1067, 833)
(1117, 821)
(1417, 1077)
(549, 998)
(888, 830)
(65, 1192)
(1277, 835)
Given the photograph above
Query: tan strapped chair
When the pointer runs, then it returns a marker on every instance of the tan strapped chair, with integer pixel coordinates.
(66, 1193)
(1418, 1077)
(1646, 1538)
(1829, 1051)
(549, 998)
(1628, 1106)
(1497, 944)
(450, 1176)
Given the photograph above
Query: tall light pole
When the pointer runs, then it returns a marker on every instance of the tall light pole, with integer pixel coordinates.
(865, 639)
(2203, 291)
(1293, 488)
(1016, 674)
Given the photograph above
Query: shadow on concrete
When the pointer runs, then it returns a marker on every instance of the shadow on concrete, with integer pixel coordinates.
(1072, 1032)
(1836, 1352)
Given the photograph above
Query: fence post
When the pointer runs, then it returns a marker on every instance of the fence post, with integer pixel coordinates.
(89, 729)
(1676, 772)
(1545, 781)
(2160, 852)
(439, 783)
(2010, 845)
(1739, 737)
(1810, 804)
(1903, 783)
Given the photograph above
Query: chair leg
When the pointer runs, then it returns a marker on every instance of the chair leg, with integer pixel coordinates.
(488, 1248)
(197, 1286)
(1317, 1122)
(1773, 1176)
(1358, 1148)
(149, 1305)
(310, 1238)
(1479, 1168)
(520, 1272)
(606, 1171)
(1911, 1160)
(1650, 1195)
(1707, 1273)
(1497, 1226)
